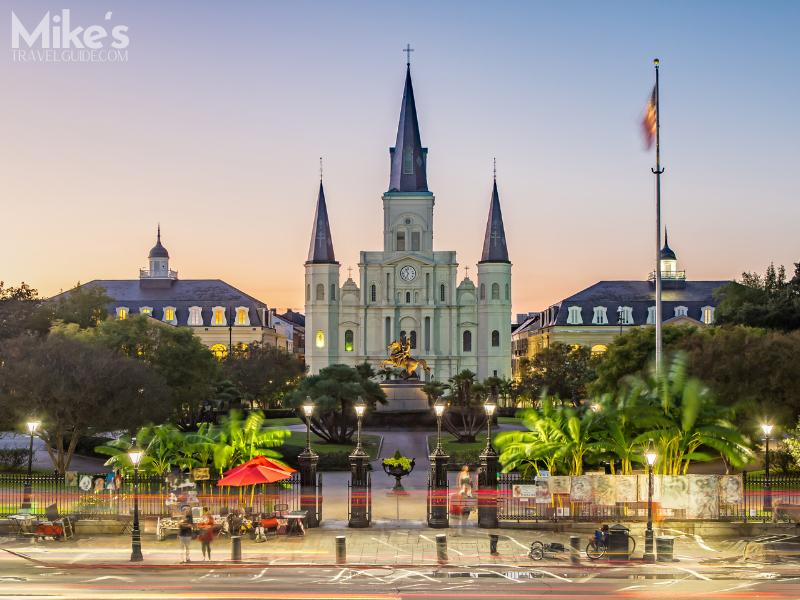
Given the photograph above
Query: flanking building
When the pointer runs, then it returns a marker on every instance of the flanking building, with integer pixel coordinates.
(221, 315)
(595, 316)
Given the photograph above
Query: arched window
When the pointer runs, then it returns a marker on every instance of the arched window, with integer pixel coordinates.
(495, 291)
(466, 343)
(388, 330)
(373, 293)
(320, 339)
(495, 339)
(402, 334)
(408, 297)
(308, 292)
(442, 293)
(333, 292)
(483, 292)
(320, 292)
(348, 340)
(122, 313)
(427, 334)
(413, 340)
(401, 241)
(507, 292)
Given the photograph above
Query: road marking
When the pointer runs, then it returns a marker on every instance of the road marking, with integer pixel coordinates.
(390, 545)
(107, 577)
(503, 575)
(260, 575)
(695, 573)
(521, 545)
(448, 549)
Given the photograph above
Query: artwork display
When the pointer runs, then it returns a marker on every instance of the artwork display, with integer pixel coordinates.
(604, 489)
(543, 491)
(581, 488)
(626, 488)
(731, 489)
(559, 484)
(643, 488)
(674, 492)
(703, 497)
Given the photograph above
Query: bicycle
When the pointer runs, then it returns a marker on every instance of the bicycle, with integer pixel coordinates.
(597, 549)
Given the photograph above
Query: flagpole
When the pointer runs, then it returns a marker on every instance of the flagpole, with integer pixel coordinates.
(658, 171)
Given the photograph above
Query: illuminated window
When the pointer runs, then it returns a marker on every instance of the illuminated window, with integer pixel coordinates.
(401, 241)
(169, 315)
(495, 339)
(466, 341)
(146, 310)
(320, 339)
(373, 293)
(242, 315)
(495, 291)
(348, 340)
(218, 317)
(219, 351)
(574, 316)
(600, 316)
(599, 348)
(707, 314)
(122, 313)
(681, 311)
(320, 292)
(415, 241)
(195, 316)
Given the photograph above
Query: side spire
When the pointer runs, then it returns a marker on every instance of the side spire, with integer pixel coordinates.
(321, 248)
(408, 157)
(494, 242)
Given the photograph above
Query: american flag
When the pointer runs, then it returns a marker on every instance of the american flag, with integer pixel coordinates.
(649, 121)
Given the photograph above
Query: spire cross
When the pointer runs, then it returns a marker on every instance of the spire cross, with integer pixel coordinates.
(494, 168)
(320, 168)
(408, 50)
(466, 271)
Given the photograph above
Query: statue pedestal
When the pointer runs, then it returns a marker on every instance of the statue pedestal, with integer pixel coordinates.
(404, 397)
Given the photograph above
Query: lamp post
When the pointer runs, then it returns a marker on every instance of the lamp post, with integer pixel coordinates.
(650, 455)
(767, 501)
(487, 474)
(135, 454)
(620, 312)
(27, 492)
(437, 487)
(308, 459)
(359, 485)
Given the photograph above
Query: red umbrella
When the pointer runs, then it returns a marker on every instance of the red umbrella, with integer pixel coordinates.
(262, 461)
(253, 475)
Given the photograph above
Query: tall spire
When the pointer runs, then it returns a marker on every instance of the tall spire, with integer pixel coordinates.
(158, 251)
(321, 248)
(494, 242)
(666, 251)
(408, 157)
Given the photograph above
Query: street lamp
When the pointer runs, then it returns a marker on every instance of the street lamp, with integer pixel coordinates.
(767, 500)
(489, 407)
(360, 408)
(650, 455)
(620, 313)
(438, 408)
(26, 497)
(135, 454)
(308, 410)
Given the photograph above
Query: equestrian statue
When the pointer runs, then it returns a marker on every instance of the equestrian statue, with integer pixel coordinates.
(400, 358)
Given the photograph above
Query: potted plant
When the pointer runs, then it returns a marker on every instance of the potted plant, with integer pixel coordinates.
(398, 466)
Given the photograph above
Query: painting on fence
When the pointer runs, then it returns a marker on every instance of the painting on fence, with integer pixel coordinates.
(626, 488)
(581, 489)
(559, 484)
(703, 497)
(674, 492)
(543, 491)
(604, 490)
(730, 489)
(643, 488)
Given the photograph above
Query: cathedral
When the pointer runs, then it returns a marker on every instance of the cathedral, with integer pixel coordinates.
(409, 291)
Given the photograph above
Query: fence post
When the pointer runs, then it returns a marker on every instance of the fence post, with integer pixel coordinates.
(487, 488)
(308, 460)
(359, 499)
(438, 490)
(744, 495)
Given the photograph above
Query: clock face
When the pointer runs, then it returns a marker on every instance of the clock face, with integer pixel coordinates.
(408, 273)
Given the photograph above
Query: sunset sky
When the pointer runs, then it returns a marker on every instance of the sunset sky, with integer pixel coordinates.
(215, 125)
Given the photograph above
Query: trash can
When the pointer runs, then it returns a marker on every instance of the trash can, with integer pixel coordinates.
(618, 542)
(665, 545)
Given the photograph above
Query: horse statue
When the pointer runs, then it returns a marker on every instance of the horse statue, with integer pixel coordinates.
(400, 358)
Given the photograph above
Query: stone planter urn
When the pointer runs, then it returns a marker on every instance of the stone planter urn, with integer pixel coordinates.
(398, 467)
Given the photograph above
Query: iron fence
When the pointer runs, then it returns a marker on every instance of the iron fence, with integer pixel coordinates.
(156, 496)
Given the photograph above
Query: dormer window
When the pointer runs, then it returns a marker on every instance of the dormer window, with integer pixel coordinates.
(146, 311)
(574, 316)
(599, 316)
(707, 314)
(122, 313)
(218, 316)
(625, 315)
(195, 316)
(242, 315)
(681, 311)
(169, 315)
(651, 315)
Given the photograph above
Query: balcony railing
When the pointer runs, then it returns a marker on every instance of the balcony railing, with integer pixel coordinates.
(145, 274)
(668, 276)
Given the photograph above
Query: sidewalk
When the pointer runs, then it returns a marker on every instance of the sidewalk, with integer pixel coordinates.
(390, 547)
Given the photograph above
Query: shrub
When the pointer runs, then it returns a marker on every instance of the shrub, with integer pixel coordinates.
(13, 459)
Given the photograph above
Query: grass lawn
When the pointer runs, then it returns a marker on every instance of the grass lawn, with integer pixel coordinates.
(460, 453)
(283, 421)
(332, 457)
(509, 421)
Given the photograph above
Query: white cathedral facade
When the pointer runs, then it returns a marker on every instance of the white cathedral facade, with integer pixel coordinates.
(408, 290)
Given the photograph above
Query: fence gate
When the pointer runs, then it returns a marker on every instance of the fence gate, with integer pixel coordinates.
(359, 503)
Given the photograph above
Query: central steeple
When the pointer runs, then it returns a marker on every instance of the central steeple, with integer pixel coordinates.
(408, 157)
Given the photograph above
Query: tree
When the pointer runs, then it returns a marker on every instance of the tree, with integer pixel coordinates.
(21, 311)
(465, 415)
(770, 301)
(186, 364)
(264, 374)
(434, 390)
(85, 306)
(334, 391)
(75, 387)
(559, 370)
(239, 439)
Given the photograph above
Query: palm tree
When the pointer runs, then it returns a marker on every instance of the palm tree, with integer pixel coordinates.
(239, 439)
(465, 417)
(434, 390)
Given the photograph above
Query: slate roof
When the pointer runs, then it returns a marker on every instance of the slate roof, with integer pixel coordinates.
(320, 249)
(408, 144)
(295, 317)
(181, 294)
(495, 248)
(639, 295)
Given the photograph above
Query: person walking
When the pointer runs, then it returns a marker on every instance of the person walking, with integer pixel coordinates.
(465, 495)
(185, 528)
(206, 533)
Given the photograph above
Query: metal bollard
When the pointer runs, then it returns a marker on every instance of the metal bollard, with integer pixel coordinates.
(341, 549)
(441, 548)
(493, 539)
(236, 548)
(575, 549)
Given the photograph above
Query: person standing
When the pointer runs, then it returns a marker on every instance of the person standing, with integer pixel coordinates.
(185, 534)
(464, 494)
(206, 533)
